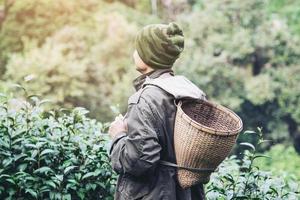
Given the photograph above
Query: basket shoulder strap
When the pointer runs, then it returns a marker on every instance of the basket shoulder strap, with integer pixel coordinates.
(166, 163)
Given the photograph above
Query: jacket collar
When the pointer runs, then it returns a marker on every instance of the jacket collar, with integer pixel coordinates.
(138, 82)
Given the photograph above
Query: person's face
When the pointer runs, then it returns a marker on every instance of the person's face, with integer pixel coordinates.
(139, 64)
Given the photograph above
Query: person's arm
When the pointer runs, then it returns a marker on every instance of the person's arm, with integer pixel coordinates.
(139, 150)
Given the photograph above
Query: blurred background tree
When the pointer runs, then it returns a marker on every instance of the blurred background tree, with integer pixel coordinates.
(233, 53)
(243, 54)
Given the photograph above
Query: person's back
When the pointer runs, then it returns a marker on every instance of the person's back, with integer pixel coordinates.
(136, 151)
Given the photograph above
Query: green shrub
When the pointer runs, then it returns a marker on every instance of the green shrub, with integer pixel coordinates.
(51, 154)
(242, 179)
(62, 154)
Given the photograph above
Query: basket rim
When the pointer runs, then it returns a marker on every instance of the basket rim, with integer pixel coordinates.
(209, 129)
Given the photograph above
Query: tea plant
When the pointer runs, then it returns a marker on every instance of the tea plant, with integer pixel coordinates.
(58, 154)
(241, 179)
(62, 154)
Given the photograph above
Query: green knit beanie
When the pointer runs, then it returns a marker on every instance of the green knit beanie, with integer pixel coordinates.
(159, 45)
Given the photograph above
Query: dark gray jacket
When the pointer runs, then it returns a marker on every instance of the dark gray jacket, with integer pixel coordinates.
(135, 155)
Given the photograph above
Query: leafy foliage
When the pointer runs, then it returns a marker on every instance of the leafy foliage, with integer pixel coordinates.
(242, 179)
(243, 55)
(284, 161)
(288, 9)
(247, 59)
(88, 63)
(61, 154)
(51, 154)
(78, 72)
(27, 20)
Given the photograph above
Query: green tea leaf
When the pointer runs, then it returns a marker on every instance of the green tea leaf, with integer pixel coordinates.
(87, 175)
(31, 192)
(43, 170)
(68, 169)
(248, 145)
(47, 151)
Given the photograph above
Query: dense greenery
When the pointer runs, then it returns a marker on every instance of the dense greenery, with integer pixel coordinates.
(243, 179)
(61, 154)
(286, 160)
(77, 62)
(248, 60)
(240, 179)
(51, 154)
(243, 54)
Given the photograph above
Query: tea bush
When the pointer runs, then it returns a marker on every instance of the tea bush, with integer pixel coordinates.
(62, 154)
(51, 154)
(242, 179)
(239, 179)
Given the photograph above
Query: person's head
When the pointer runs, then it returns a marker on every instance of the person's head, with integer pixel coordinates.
(157, 46)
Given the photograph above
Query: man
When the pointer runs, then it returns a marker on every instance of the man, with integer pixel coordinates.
(145, 136)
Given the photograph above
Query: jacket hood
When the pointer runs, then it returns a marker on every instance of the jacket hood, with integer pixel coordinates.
(178, 86)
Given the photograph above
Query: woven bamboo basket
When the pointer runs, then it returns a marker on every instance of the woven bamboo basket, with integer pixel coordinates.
(204, 134)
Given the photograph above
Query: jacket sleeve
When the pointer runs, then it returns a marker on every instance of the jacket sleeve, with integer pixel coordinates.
(139, 151)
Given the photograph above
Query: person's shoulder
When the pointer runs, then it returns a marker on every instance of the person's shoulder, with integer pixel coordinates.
(150, 93)
(154, 93)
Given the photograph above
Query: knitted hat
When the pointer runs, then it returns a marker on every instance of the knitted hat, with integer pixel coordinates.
(159, 45)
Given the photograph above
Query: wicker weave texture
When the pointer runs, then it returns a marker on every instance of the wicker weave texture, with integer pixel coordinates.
(204, 135)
